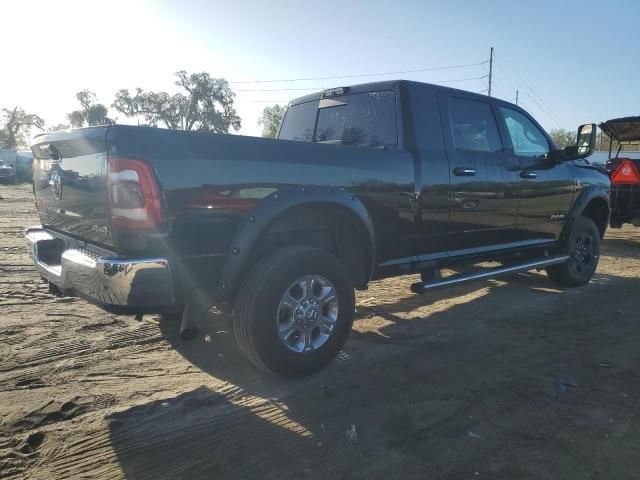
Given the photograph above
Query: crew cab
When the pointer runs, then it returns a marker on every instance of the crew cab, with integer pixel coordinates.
(363, 182)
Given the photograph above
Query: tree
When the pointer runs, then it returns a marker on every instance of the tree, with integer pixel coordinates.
(562, 137)
(91, 113)
(270, 120)
(16, 127)
(206, 106)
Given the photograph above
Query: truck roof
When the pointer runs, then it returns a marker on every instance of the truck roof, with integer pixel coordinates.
(377, 86)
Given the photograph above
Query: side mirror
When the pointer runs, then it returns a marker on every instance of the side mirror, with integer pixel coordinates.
(586, 143)
(586, 139)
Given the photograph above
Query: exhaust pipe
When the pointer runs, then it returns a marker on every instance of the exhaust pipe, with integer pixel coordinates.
(191, 318)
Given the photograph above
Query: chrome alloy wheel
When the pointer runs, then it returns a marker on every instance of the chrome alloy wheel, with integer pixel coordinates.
(307, 313)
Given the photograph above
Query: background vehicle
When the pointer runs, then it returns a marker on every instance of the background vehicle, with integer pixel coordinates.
(24, 160)
(365, 182)
(8, 166)
(623, 171)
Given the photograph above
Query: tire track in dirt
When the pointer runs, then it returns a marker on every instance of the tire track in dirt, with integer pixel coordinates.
(219, 420)
(146, 334)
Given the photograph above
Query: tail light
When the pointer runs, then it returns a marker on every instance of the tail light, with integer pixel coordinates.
(626, 173)
(134, 196)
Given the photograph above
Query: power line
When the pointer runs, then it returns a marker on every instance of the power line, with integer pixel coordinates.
(280, 89)
(540, 101)
(319, 89)
(512, 85)
(460, 79)
(358, 75)
(516, 84)
(500, 91)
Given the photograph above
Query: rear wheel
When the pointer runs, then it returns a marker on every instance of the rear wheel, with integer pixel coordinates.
(294, 311)
(583, 249)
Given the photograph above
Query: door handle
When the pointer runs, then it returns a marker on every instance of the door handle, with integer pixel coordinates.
(464, 172)
(528, 174)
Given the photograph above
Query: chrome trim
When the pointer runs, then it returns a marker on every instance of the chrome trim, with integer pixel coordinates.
(488, 273)
(107, 280)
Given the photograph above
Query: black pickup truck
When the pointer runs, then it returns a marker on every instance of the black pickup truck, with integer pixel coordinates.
(364, 182)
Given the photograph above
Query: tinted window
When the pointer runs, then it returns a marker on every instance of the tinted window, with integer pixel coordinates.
(474, 126)
(527, 139)
(365, 119)
(299, 122)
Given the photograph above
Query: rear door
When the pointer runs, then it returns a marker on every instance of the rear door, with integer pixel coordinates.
(367, 119)
(545, 187)
(482, 205)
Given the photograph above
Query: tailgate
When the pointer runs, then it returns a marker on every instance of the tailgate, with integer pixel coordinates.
(70, 183)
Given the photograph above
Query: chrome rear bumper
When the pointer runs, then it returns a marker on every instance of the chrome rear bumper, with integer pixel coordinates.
(103, 278)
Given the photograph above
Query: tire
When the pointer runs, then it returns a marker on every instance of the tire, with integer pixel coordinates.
(264, 317)
(583, 249)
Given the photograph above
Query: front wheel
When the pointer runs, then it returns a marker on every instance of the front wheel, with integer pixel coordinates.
(294, 311)
(583, 249)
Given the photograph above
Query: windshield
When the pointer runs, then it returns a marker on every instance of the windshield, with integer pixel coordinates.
(362, 119)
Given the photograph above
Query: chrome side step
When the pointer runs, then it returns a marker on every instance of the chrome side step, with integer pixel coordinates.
(488, 273)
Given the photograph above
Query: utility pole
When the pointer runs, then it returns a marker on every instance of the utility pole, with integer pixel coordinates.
(490, 70)
(516, 97)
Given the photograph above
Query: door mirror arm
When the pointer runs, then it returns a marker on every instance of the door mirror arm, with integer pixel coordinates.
(571, 152)
(558, 156)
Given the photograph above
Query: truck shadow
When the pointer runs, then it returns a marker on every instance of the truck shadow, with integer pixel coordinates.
(246, 424)
(208, 434)
(621, 247)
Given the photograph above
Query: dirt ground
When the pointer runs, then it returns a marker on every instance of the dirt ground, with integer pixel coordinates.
(505, 379)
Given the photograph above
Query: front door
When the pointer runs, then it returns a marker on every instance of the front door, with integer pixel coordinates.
(482, 205)
(545, 187)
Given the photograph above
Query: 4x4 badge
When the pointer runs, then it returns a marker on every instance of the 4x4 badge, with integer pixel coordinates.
(55, 182)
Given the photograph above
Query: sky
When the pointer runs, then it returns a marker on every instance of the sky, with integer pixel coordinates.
(571, 61)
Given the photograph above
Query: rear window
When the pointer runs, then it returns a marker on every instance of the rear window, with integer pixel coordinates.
(363, 119)
(474, 126)
(299, 122)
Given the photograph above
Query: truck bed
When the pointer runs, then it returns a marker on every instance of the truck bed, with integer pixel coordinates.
(201, 175)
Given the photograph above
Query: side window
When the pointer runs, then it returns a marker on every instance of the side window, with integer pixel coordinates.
(473, 125)
(528, 140)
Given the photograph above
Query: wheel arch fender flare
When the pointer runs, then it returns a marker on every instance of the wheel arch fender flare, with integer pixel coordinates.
(586, 196)
(271, 208)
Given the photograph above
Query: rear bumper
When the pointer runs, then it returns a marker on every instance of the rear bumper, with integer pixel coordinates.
(625, 204)
(114, 283)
